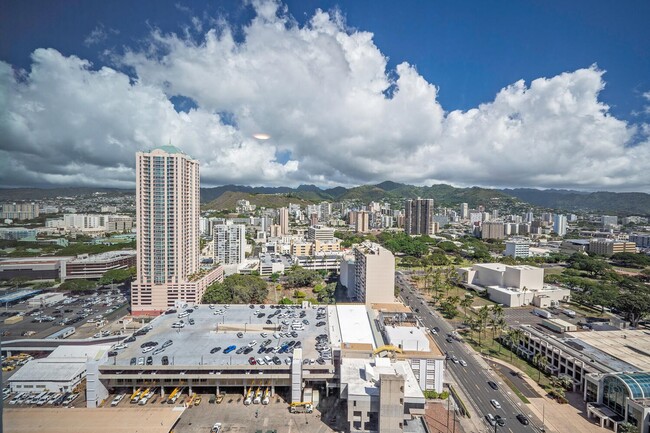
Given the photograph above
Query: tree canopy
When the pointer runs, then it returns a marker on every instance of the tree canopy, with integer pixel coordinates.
(237, 289)
(117, 276)
(78, 285)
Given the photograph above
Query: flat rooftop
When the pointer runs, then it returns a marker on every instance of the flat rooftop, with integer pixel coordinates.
(354, 325)
(362, 376)
(149, 419)
(629, 346)
(192, 344)
(103, 257)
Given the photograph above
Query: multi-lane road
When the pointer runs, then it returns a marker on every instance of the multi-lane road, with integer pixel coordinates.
(474, 377)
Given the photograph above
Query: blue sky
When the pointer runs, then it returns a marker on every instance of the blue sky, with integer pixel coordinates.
(468, 51)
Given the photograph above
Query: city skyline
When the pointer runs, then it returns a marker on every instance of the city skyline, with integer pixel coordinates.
(338, 99)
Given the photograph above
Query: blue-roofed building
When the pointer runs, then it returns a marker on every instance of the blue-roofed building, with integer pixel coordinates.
(614, 398)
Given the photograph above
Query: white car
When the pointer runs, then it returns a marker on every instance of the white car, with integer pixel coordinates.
(147, 349)
(463, 363)
(216, 428)
(495, 404)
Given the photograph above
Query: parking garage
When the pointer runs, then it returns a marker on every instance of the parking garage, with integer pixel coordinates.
(215, 347)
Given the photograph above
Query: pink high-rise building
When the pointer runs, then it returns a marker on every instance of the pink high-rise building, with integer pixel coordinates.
(167, 214)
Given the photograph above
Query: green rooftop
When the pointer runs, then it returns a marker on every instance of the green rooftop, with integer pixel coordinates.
(169, 149)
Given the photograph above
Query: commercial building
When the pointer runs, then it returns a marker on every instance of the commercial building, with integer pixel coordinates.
(418, 218)
(374, 274)
(61, 371)
(34, 268)
(610, 367)
(46, 299)
(642, 240)
(229, 243)
(17, 233)
(609, 220)
(167, 214)
(381, 395)
(493, 230)
(319, 262)
(517, 249)
(608, 247)
(559, 224)
(88, 266)
(513, 286)
(320, 233)
(19, 211)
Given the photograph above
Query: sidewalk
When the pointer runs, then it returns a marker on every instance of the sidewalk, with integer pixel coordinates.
(558, 418)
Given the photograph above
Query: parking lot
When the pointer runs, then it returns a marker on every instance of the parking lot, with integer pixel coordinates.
(237, 417)
(221, 335)
(77, 311)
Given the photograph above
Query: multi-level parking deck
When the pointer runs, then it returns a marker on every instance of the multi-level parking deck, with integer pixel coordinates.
(196, 356)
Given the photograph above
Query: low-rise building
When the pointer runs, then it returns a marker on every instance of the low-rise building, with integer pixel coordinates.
(61, 371)
(608, 247)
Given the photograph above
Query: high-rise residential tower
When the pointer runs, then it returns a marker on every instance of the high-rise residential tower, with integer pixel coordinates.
(284, 221)
(419, 217)
(559, 224)
(167, 214)
(229, 243)
(374, 280)
(464, 211)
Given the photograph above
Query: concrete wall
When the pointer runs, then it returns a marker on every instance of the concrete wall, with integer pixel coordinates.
(391, 403)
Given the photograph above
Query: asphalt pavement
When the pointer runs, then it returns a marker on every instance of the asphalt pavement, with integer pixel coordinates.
(472, 379)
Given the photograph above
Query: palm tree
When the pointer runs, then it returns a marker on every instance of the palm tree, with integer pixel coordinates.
(497, 310)
(466, 303)
(500, 325)
(540, 362)
(483, 315)
(475, 326)
(514, 337)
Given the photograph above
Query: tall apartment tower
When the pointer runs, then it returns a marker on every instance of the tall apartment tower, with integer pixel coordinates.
(464, 211)
(167, 214)
(374, 274)
(559, 224)
(284, 221)
(363, 222)
(229, 243)
(419, 217)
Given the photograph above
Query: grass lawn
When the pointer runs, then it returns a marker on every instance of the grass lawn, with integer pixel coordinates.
(494, 349)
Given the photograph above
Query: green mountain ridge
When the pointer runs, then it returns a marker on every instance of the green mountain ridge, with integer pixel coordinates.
(632, 203)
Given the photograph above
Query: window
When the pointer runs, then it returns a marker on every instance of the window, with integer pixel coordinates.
(356, 413)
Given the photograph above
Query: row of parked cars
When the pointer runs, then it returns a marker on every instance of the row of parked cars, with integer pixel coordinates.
(49, 398)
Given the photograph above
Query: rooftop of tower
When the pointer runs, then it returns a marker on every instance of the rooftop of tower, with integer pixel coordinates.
(169, 149)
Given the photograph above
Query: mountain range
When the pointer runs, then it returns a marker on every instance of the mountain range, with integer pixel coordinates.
(226, 196)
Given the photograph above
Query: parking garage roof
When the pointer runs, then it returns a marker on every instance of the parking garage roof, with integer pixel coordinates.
(192, 344)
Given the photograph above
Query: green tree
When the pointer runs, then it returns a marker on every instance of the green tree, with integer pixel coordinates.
(301, 277)
(237, 289)
(540, 363)
(117, 276)
(626, 427)
(78, 285)
(635, 305)
(275, 276)
(466, 302)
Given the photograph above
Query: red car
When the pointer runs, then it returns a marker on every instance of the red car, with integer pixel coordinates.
(252, 361)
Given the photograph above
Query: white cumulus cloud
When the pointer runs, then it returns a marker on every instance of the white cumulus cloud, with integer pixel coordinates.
(324, 94)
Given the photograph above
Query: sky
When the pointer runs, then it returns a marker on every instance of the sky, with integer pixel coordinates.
(541, 94)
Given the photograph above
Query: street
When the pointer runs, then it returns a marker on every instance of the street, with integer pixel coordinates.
(473, 378)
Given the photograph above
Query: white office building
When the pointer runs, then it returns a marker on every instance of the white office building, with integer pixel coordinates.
(517, 249)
